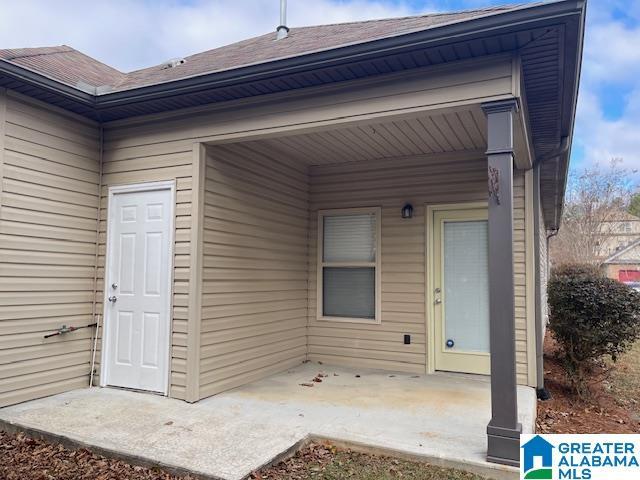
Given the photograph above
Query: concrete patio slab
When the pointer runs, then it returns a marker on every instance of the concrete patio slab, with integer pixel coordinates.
(437, 418)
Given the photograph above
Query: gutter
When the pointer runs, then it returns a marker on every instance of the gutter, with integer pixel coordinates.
(335, 56)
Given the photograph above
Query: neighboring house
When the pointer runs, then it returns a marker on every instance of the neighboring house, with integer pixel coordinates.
(624, 265)
(371, 194)
(618, 233)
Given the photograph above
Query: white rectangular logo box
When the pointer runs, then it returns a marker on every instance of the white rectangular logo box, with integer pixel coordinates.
(580, 457)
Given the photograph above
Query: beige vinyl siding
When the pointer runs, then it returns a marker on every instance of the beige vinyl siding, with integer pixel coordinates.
(312, 109)
(49, 169)
(254, 288)
(128, 160)
(390, 183)
(524, 279)
(156, 147)
(257, 268)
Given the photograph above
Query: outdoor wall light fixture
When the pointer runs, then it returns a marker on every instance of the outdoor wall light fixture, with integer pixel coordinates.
(407, 211)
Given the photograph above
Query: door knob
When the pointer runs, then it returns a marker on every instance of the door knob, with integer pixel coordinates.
(112, 299)
(437, 301)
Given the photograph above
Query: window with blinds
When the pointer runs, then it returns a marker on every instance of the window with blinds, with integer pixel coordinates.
(348, 265)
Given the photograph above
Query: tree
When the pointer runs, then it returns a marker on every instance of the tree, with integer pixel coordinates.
(596, 199)
(634, 205)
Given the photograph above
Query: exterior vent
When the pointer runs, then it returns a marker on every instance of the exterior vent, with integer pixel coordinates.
(173, 63)
(282, 30)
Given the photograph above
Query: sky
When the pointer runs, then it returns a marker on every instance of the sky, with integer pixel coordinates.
(131, 34)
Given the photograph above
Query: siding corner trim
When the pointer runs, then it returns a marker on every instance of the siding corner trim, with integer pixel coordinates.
(195, 274)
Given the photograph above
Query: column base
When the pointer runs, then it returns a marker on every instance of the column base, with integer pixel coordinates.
(503, 445)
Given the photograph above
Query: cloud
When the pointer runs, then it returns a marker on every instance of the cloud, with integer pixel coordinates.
(612, 55)
(602, 139)
(610, 79)
(131, 34)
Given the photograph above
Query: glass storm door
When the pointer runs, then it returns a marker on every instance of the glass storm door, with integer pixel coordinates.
(461, 291)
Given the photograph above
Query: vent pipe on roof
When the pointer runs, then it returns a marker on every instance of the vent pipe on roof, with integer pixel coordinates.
(282, 30)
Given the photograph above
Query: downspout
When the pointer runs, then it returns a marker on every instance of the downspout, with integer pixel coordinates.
(563, 147)
(541, 392)
(550, 234)
(94, 315)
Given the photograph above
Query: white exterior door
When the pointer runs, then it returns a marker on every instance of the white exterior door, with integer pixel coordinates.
(137, 289)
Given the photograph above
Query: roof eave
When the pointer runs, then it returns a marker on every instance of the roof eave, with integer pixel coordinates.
(574, 104)
(51, 85)
(346, 54)
(469, 28)
(621, 252)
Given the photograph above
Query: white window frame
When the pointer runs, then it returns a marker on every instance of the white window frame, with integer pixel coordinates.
(376, 264)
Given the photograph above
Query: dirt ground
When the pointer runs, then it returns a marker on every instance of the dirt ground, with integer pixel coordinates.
(325, 462)
(613, 407)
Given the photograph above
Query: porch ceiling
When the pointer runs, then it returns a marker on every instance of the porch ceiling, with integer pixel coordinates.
(453, 130)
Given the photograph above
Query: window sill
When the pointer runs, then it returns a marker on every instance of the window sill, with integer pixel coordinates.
(369, 321)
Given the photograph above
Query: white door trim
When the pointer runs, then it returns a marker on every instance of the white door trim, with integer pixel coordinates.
(428, 271)
(113, 191)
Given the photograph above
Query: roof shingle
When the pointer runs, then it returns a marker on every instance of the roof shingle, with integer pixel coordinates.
(65, 65)
(74, 68)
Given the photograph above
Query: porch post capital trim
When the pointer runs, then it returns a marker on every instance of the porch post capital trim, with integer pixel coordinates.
(500, 121)
(510, 105)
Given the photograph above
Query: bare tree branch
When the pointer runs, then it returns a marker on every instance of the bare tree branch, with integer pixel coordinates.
(596, 200)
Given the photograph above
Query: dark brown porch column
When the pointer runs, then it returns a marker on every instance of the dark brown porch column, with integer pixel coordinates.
(503, 430)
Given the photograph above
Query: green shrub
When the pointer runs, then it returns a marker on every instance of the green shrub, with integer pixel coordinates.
(591, 317)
